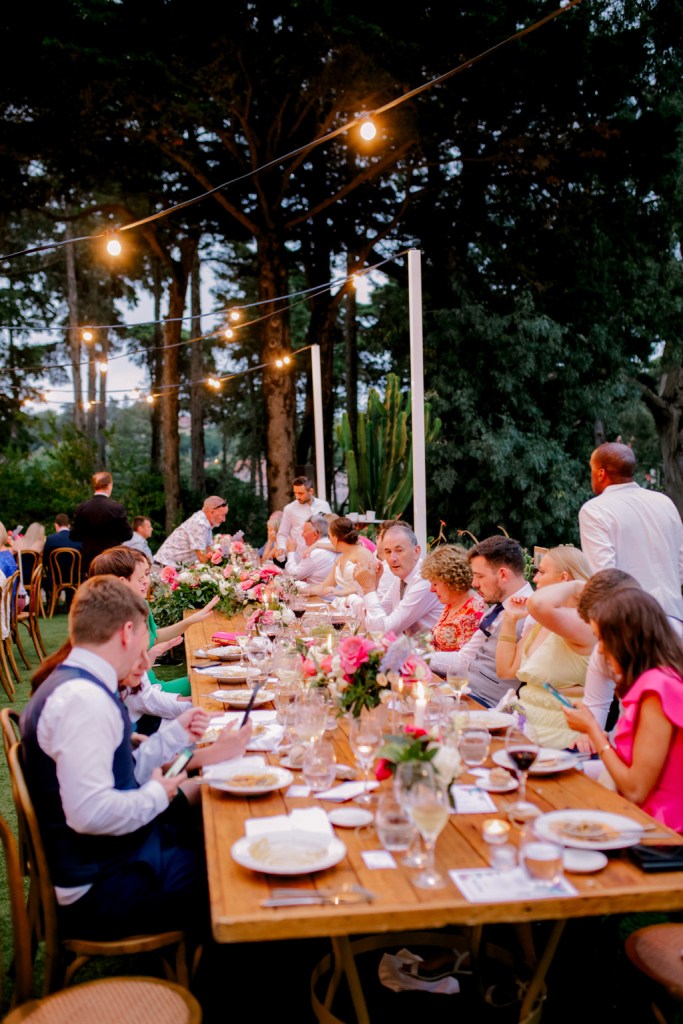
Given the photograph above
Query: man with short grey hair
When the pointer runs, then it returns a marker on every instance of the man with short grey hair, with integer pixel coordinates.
(318, 557)
(190, 542)
(408, 605)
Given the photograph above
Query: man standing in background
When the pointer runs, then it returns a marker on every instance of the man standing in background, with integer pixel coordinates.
(100, 522)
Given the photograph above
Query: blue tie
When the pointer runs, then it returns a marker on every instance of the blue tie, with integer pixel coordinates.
(490, 617)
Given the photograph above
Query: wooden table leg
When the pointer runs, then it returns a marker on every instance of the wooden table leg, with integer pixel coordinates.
(541, 969)
(343, 955)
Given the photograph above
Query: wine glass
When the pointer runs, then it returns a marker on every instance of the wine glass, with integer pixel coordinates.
(242, 640)
(409, 774)
(522, 750)
(458, 684)
(474, 746)
(310, 715)
(365, 739)
(427, 803)
(259, 650)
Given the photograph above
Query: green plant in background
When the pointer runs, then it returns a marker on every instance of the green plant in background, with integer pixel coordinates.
(379, 465)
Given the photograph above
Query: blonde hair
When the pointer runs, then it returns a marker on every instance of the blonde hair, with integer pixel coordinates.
(450, 564)
(4, 536)
(35, 535)
(570, 560)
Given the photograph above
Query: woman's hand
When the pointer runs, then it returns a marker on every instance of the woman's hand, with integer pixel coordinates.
(158, 649)
(580, 719)
(232, 742)
(204, 612)
(516, 608)
(195, 721)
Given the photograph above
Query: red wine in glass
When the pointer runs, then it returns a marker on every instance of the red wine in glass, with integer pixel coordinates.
(523, 757)
(299, 612)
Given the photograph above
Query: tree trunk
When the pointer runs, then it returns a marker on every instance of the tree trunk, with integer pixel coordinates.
(74, 329)
(169, 404)
(278, 384)
(198, 476)
(667, 412)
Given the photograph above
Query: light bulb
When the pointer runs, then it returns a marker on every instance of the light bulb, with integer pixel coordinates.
(229, 333)
(235, 315)
(367, 129)
(102, 367)
(150, 399)
(86, 406)
(87, 334)
(286, 360)
(278, 363)
(114, 247)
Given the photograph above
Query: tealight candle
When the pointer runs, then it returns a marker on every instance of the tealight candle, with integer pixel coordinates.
(496, 831)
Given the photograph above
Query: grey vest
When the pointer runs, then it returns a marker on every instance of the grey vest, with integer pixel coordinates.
(483, 680)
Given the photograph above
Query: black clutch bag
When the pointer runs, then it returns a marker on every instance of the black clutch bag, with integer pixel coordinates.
(657, 858)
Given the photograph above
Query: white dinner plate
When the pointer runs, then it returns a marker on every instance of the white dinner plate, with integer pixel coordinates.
(288, 853)
(583, 862)
(548, 762)
(219, 653)
(240, 698)
(491, 720)
(230, 673)
(350, 817)
(265, 779)
(626, 831)
(484, 783)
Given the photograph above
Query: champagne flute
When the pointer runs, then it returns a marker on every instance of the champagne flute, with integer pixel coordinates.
(427, 803)
(522, 750)
(365, 739)
(409, 774)
(242, 639)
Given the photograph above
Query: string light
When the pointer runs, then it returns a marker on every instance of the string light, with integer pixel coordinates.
(150, 399)
(229, 333)
(86, 406)
(87, 334)
(235, 315)
(367, 129)
(214, 383)
(102, 366)
(114, 246)
(285, 361)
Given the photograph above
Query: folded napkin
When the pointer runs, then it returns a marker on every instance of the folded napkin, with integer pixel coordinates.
(224, 769)
(225, 639)
(305, 819)
(400, 973)
(346, 791)
(509, 696)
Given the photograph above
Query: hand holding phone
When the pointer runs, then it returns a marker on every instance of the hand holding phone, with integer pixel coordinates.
(177, 766)
(563, 700)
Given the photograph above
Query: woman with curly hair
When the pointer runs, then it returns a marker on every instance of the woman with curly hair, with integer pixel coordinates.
(448, 570)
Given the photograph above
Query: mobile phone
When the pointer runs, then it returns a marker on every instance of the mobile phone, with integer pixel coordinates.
(245, 717)
(181, 760)
(657, 857)
(563, 700)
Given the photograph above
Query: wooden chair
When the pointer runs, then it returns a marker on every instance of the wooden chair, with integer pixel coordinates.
(57, 971)
(656, 951)
(107, 1001)
(64, 571)
(29, 617)
(7, 607)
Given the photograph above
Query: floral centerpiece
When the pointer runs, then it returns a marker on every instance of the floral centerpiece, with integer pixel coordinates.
(419, 745)
(193, 586)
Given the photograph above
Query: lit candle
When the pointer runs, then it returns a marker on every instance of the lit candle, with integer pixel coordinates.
(329, 643)
(496, 831)
(420, 705)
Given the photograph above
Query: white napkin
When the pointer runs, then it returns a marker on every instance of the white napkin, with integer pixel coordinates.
(506, 699)
(346, 791)
(305, 819)
(392, 975)
(224, 769)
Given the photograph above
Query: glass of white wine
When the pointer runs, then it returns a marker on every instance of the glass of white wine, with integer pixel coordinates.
(365, 739)
(427, 804)
(459, 685)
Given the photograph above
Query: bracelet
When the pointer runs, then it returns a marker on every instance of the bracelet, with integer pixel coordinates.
(510, 639)
(602, 750)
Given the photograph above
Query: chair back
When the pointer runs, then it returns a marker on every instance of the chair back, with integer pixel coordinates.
(10, 588)
(11, 731)
(64, 567)
(21, 931)
(28, 560)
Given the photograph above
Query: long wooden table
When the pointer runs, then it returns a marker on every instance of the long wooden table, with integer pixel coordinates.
(236, 892)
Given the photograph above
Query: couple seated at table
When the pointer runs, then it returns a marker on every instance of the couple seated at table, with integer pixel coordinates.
(120, 850)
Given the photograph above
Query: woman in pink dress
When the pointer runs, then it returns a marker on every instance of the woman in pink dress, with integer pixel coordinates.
(448, 570)
(646, 658)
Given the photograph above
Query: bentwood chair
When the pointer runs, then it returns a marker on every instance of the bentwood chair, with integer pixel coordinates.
(29, 617)
(65, 956)
(107, 1001)
(656, 951)
(7, 660)
(64, 573)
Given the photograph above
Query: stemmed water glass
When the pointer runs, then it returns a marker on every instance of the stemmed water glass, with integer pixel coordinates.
(259, 650)
(427, 803)
(409, 774)
(242, 640)
(522, 750)
(365, 739)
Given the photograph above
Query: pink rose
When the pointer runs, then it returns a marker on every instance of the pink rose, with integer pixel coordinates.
(173, 584)
(237, 547)
(245, 585)
(382, 770)
(168, 574)
(353, 652)
(244, 576)
(309, 667)
(269, 571)
(326, 663)
(416, 668)
(227, 572)
(217, 557)
(387, 640)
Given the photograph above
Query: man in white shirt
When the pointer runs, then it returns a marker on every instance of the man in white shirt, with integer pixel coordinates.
(295, 514)
(630, 528)
(408, 605)
(498, 574)
(318, 556)
(190, 542)
(142, 531)
(119, 853)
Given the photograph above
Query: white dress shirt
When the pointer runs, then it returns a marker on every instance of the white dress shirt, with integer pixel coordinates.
(181, 547)
(458, 662)
(152, 700)
(314, 564)
(80, 728)
(293, 518)
(418, 608)
(138, 543)
(640, 532)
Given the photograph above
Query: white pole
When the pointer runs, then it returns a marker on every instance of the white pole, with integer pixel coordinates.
(318, 421)
(418, 398)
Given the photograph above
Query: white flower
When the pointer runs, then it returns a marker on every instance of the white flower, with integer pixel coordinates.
(185, 576)
(206, 578)
(382, 680)
(447, 763)
(223, 587)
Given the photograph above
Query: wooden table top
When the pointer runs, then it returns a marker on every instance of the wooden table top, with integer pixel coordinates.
(236, 892)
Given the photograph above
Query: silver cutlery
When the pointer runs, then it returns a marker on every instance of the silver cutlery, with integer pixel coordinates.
(342, 896)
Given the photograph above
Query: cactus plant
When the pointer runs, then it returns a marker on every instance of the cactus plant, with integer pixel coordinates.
(379, 466)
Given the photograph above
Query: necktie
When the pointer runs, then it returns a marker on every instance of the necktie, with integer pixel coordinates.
(490, 617)
(402, 589)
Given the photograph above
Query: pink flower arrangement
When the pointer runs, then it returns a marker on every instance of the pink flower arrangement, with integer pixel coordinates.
(354, 651)
(216, 557)
(237, 547)
(168, 574)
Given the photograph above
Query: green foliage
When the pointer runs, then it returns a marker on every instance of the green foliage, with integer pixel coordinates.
(380, 464)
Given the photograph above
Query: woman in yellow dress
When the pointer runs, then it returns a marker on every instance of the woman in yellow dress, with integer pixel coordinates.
(554, 647)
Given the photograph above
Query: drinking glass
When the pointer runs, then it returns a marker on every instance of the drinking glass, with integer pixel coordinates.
(409, 774)
(242, 639)
(365, 739)
(474, 746)
(310, 715)
(285, 695)
(542, 859)
(259, 650)
(427, 803)
(286, 666)
(319, 766)
(393, 824)
(458, 683)
(522, 751)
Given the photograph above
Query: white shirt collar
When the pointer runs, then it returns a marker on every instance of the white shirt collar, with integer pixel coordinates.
(522, 591)
(79, 657)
